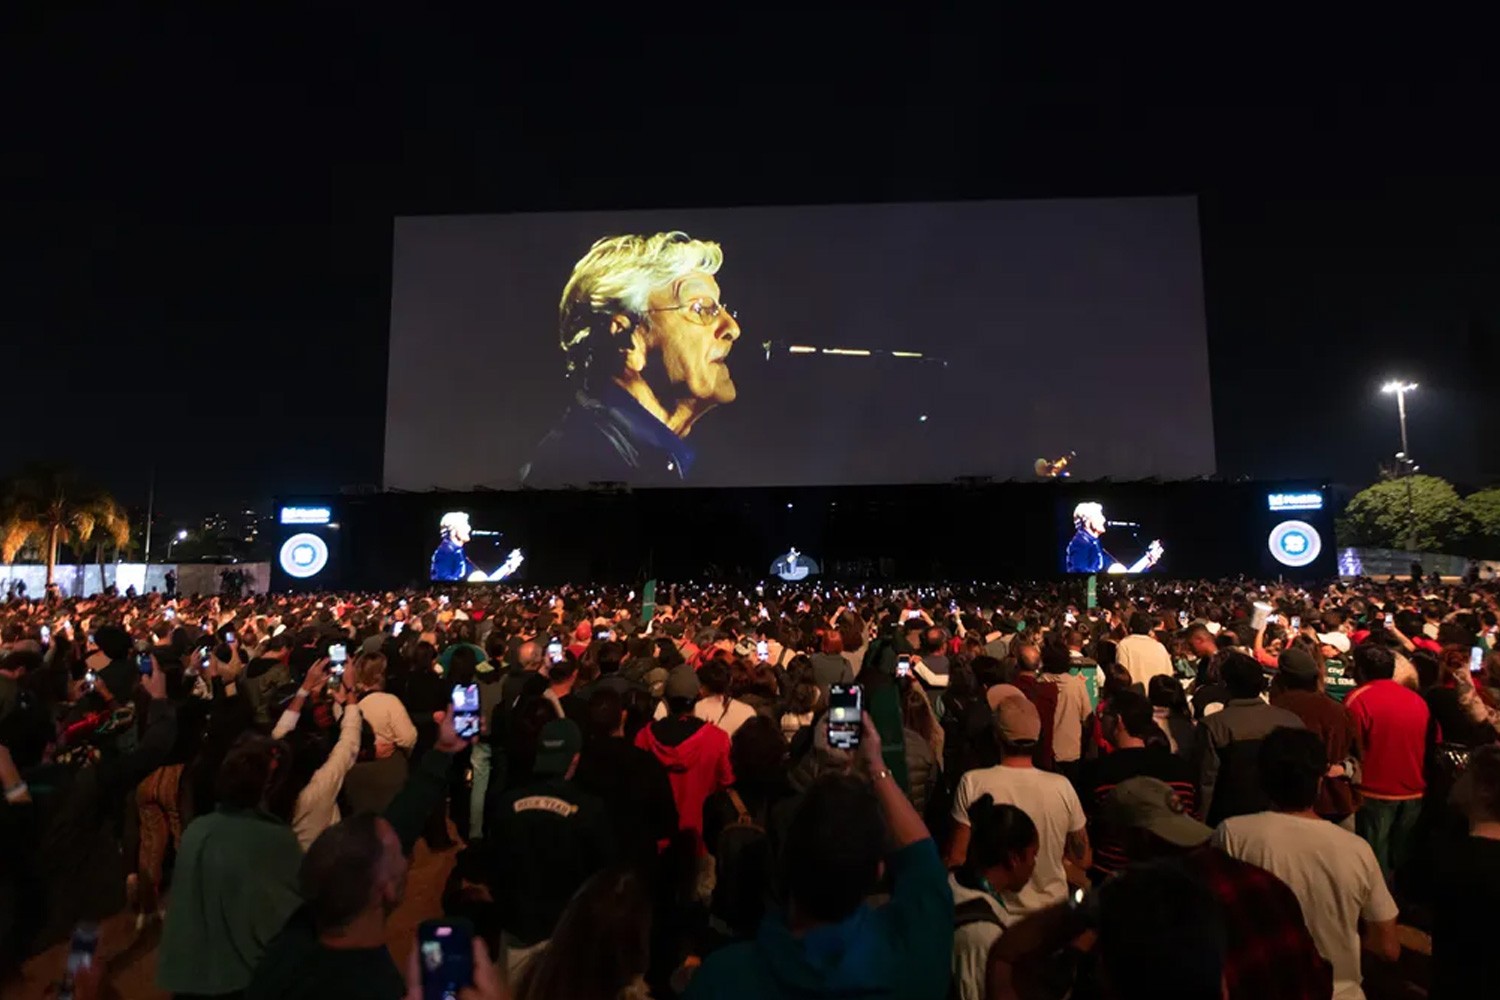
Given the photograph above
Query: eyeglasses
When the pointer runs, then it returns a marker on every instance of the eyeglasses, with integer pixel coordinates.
(704, 312)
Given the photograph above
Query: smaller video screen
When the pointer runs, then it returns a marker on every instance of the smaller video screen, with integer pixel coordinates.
(1113, 537)
(467, 553)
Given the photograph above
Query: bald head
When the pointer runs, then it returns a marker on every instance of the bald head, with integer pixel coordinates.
(530, 654)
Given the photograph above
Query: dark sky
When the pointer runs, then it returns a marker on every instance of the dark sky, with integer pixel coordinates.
(196, 211)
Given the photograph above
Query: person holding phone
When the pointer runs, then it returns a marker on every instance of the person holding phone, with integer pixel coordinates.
(322, 775)
(834, 854)
(352, 879)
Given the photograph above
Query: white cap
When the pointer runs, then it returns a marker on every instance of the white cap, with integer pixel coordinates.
(1337, 640)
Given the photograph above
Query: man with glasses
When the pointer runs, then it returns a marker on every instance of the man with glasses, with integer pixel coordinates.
(647, 338)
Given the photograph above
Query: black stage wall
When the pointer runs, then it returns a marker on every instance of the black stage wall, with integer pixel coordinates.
(986, 532)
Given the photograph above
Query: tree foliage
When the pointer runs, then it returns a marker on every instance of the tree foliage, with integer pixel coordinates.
(51, 506)
(1379, 516)
(1483, 510)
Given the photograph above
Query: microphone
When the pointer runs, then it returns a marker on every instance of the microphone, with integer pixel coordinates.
(781, 347)
(1112, 524)
(484, 534)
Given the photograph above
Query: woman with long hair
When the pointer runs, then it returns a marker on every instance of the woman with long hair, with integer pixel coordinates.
(1169, 705)
(601, 945)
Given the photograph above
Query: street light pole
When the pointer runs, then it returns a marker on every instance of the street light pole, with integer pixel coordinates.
(1404, 456)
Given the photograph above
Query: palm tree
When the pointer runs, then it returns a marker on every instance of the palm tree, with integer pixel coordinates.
(51, 505)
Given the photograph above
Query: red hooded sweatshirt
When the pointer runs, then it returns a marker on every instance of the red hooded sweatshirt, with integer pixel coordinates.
(697, 766)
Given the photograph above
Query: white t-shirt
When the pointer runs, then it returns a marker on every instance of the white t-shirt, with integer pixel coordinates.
(1333, 874)
(1053, 806)
(728, 717)
(1143, 657)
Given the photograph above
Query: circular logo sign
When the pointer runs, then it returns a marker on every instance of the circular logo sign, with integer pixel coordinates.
(304, 555)
(1295, 543)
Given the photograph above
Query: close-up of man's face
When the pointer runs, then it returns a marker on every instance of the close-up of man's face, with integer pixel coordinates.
(694, 335)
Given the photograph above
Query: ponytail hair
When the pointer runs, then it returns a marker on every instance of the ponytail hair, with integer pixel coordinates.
(998, 833)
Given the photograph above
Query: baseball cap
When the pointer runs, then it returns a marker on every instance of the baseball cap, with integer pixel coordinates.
(1017, 721)
(682, 682)
(1150, 804)
(1337, 640)
(1297, 662)
(560, 742)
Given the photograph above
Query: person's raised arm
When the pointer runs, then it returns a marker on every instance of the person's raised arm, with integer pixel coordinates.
(426, 785)
(316, 674)
(905, 825)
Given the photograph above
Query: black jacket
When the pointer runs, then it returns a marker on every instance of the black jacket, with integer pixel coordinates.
(544, 840)
(612, 439)
(636, 793)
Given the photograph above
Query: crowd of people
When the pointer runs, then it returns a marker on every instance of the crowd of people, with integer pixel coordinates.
(1185, 789)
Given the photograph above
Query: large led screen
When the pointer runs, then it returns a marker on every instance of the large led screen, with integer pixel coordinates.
(799, 345)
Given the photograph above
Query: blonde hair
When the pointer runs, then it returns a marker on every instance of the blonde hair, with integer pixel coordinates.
(369, 671)
(617, 275)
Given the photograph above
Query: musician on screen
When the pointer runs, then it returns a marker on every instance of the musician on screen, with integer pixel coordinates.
(1086, 554)
(449, 562)
(644, 330)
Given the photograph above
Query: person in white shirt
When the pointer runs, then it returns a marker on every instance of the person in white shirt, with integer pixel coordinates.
(1332, 872)
(387, 717)
(1049, 799)
(715, 705)
(317, 806)
(370, 785)
(1001, 857)
(1141, 654)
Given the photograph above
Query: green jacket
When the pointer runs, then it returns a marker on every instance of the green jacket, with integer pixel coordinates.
(235, 886)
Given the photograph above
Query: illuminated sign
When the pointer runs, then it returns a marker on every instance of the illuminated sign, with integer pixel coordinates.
(1295, 501)
(1295, 543)
(304, 555)
(306, 515)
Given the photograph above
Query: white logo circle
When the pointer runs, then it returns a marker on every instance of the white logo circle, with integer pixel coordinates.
(1295, 543)
(304, 555)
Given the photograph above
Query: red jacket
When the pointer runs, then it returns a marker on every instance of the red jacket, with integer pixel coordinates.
(696, 767)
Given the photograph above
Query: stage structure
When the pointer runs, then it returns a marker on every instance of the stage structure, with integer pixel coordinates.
(969, 532)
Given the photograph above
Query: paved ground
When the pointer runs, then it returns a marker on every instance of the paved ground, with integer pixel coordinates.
(132, 956)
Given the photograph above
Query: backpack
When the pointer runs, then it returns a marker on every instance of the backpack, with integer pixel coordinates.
(974, 911)
(743, 862)
(971, 911)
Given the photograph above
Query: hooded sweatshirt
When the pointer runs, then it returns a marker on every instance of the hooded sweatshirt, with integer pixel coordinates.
(902, 949)
(696, 756)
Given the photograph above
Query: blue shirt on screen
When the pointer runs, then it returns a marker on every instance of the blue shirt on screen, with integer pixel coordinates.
(449, 562)
(1085, 554)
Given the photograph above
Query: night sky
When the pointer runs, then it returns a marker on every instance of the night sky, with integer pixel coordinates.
(196, 212)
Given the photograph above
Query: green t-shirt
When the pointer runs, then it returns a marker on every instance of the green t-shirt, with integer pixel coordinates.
(1090, 675)
(1337, 679)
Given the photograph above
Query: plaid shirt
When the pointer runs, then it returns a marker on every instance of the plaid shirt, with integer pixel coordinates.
(1271, 953)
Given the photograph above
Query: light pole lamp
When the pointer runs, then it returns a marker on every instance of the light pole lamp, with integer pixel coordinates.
(181, 536)
(1400, 389)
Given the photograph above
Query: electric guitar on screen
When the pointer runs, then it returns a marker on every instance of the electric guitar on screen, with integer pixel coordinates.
(1153, 555)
